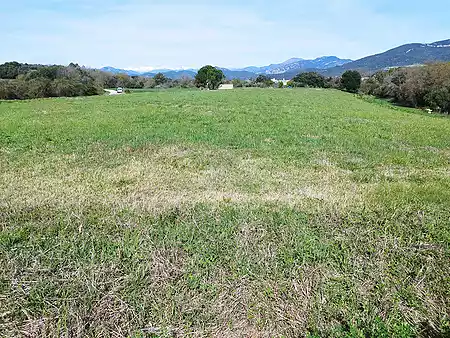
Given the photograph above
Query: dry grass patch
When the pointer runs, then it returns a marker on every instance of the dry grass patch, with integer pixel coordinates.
(159, 178)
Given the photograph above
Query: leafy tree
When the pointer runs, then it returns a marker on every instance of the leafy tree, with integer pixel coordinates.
(237, 83)
(309, 79)
(439, 98)
(280, 84)
(351, 81)
(209, 77)
(160, 79)
(262, 79)
(150, 83)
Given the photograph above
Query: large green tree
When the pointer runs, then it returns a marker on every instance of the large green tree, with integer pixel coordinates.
(209, 77)
(351, 81)
(160, 79)
(309, 79)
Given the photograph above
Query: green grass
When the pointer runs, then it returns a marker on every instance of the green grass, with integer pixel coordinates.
(238, 213)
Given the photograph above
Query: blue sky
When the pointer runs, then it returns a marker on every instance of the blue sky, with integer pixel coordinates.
(150, 34)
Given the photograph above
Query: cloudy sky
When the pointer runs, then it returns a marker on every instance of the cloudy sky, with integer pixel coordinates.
(149, 34)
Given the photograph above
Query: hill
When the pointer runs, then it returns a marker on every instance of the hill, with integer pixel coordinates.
(406, 55)
(298, 64)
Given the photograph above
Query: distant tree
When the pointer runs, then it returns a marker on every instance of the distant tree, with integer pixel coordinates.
(280, 84)
(351, 81)
(262, 79)
(209, 77)
(439, 98)
(237, 83)
(309, 79)
(160, 79)
(150, 83)
(123, 80)
(186, 82)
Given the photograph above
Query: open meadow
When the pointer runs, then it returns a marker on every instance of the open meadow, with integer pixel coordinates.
(245, 213)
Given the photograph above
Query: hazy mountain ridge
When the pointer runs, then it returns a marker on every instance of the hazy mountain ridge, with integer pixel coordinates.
(405, 55)
(246, 72)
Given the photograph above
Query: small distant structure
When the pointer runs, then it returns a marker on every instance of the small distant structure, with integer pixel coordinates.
(226, 86)
(284, 81)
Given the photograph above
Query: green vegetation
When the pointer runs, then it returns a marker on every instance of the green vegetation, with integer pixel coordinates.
(253, 212)
(351, 81)
(309, 79)
(423, 86)
(209, 77)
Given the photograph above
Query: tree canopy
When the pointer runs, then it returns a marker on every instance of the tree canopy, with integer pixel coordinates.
(309, 79)
(209, 77)
(351, 81)
(160, 79)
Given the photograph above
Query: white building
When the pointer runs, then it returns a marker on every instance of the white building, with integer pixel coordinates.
(226, 86)
(278, 81)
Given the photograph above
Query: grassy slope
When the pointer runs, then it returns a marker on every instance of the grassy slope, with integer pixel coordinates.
(258, 212)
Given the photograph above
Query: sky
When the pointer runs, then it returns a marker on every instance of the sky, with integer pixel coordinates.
(143, 35)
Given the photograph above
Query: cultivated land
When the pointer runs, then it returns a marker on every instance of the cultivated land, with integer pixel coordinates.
(241, 213)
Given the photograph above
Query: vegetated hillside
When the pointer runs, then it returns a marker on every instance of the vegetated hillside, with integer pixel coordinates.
(324, 62)
(406, 55)
(293, 64)
(245, 213)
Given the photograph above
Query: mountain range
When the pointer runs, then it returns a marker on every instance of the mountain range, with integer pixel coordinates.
(405, 55)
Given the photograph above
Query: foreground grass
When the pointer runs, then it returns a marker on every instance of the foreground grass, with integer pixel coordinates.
(243, 213)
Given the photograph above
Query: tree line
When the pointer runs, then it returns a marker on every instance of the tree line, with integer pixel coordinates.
(20, 81)
(420, 86)
(23, 81)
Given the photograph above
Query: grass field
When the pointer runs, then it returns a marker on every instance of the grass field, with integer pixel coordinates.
(246, 213)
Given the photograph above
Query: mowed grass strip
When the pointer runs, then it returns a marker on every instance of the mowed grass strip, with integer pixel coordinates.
(239, 213)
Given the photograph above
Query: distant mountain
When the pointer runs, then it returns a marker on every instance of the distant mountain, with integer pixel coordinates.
(238, 74)
(406, 55)
(323, 62)
(120, 71)
(173, 74)
(269, 68)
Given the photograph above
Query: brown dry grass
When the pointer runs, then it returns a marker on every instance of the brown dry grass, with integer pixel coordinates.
(160, 178)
